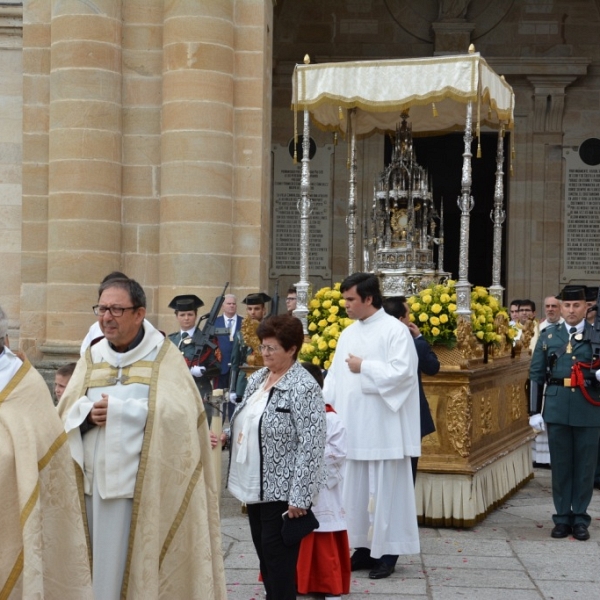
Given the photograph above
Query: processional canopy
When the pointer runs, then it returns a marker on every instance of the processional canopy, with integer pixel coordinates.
(381, 90)
(422, 95)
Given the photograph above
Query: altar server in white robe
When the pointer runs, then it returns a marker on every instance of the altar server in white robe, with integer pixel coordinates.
(138, 434)
(373, 385)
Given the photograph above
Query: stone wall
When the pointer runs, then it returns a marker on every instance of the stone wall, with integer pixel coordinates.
(11, 122)
(146, 135)
(147, 127)
(548, 50)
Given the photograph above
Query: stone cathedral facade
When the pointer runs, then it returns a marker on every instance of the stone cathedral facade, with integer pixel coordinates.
(136, 135)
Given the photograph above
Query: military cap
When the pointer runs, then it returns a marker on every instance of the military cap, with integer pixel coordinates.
(571, 293)
(591, 293)
(186, 302)
(259, 298)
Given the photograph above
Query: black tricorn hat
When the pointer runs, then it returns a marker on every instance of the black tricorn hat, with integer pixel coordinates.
(186, 302)
(258, 298)
(591, 293)
(572, 292)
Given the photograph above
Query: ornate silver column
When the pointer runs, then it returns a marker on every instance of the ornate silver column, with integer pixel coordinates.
(465, 203)
(498, 216)
(301, 310)
(351, 219)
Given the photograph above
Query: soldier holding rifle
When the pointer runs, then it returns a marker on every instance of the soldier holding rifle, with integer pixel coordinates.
(199, 347)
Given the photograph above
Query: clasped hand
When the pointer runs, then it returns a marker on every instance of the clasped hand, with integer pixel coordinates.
(99, 412)
(354, 363)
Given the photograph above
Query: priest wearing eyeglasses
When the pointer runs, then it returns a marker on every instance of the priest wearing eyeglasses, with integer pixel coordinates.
(138, 435)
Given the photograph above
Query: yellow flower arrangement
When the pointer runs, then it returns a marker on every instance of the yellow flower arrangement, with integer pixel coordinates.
(327, 319)
(434, 311)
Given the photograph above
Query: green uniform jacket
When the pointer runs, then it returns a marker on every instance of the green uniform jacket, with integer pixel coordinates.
(210, 362)
(565, 405)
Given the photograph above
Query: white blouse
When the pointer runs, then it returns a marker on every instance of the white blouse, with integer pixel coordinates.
(244, 472)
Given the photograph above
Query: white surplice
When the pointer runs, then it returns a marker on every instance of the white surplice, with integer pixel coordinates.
(380, 409)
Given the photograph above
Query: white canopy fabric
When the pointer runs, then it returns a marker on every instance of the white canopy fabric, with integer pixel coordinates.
(381, 90)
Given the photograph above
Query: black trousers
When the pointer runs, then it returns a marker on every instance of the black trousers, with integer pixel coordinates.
(277, 561)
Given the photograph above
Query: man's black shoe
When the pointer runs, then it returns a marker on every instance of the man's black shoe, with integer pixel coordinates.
(561, 530)
(362, 562)
(580, 532)
(597, 485)
(381, 571)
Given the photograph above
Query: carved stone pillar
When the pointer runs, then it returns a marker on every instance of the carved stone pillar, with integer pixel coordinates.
(84, 165)
(197, 149)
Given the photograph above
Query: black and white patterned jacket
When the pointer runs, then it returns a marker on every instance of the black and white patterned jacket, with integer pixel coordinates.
(292, 437)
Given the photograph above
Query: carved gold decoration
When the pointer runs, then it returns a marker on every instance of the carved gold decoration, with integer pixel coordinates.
(504, 346)
(517, 403)
(486, 414)
(459, 420)
(466, 342)
(528, 333)
(248, 329)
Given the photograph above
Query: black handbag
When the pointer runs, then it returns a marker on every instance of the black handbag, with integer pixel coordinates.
(293, 530)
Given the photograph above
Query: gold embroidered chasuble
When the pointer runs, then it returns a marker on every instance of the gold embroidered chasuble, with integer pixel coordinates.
(43, 551)
(175, 541)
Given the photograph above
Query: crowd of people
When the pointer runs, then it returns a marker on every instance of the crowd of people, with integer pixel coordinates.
(323, 462)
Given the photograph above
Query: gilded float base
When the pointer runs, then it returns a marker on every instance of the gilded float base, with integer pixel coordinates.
(452, 500)
(480, 452)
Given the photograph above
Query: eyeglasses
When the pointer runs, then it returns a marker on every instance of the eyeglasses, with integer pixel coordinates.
(115, 311)
(290, 299)
(267, 349)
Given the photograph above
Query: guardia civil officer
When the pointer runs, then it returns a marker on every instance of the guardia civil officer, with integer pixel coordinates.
(561, 359)
(203, 365)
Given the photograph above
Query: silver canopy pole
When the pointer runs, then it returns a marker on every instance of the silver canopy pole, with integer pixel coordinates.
(351, 219)
(498, 216)
(302, 286)
(465, 203)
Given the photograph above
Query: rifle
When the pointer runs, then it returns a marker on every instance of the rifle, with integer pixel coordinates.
(203, 338)
(275, 301)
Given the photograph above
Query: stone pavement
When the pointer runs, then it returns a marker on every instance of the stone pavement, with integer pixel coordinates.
(510, 555)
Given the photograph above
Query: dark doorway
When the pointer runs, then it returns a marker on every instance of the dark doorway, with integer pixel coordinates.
(442, 156)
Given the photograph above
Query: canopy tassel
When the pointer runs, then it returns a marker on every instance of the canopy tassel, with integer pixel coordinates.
(434, 109)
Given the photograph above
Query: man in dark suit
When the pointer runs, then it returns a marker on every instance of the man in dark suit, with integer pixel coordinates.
(231, 321)
(561, 360)
(397, 306)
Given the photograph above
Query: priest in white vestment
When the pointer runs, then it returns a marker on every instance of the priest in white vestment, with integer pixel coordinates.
(374, 387)
(43, 550)
(138, 434)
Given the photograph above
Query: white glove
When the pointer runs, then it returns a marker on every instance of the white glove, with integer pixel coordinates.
(197, 371)
(537, 422)
(232, 396)
(598, 375)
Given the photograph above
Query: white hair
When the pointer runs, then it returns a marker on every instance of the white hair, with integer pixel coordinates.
(3, 324)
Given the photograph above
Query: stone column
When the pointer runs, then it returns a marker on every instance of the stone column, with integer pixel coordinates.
(84, 195)
(142, 102)
(34, 215)
(197, 150)
(215, 149)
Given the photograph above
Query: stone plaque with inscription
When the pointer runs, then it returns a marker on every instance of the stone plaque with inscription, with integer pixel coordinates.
(285, 250)
(581, 241)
